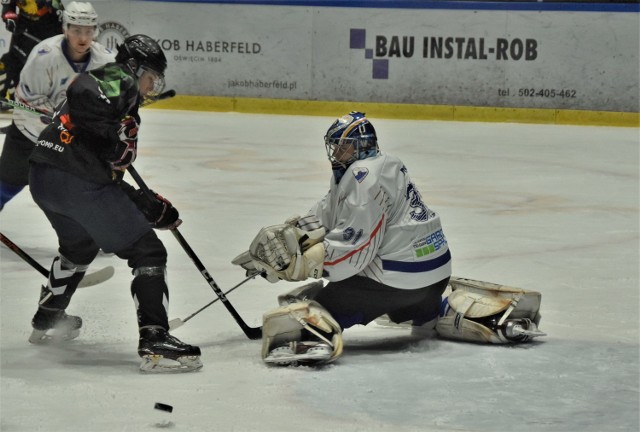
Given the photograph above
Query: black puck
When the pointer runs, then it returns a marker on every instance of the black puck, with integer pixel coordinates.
(163, 407)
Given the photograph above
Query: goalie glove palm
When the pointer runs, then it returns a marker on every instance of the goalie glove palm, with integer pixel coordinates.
(289, 253)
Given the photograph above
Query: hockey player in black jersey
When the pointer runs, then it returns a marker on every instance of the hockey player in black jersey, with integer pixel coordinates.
(76, 179)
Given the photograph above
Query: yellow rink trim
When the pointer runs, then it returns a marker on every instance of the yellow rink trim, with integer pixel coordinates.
(399, 111)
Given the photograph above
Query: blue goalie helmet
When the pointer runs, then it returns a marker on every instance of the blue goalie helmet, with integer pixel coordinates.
(350, 138)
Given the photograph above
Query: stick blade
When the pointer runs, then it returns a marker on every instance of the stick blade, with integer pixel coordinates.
(97, 277)
(175, 323)
(253, 333)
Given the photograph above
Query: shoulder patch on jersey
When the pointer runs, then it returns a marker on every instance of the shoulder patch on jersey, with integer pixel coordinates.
(360, 173)
(44, 50)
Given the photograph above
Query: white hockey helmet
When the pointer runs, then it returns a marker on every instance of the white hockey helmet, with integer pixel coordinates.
(79, 13)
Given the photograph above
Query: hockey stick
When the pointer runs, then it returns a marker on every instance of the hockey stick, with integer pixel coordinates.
(250, 332)
(177, 322)
(46, 118)
(32, 37)
(90, 279)
(162, 96)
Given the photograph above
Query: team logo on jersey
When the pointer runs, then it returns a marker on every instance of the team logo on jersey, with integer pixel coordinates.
(43, 51)
(350, 235)
(103, 96)
(111, 34)
(430, 244)
(360, 174)
(65, 137)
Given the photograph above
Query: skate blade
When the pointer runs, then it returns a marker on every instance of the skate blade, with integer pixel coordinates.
(385, 322)
(52, 336)
(153, 364)
(283, 356)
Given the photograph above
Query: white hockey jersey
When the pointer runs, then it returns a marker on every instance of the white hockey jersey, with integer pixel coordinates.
(45, 78)
(379, 227)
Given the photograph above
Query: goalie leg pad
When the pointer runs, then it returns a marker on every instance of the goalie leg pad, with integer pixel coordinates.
(484, 312)
(302, 293)
(282, 330)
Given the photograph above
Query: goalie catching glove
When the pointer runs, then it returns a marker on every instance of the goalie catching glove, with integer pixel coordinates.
(285, 252)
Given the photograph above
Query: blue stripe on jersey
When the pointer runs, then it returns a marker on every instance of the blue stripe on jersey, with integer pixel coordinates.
(416, 267)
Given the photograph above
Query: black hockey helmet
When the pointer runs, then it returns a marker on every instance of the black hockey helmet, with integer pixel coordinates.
(140, 52)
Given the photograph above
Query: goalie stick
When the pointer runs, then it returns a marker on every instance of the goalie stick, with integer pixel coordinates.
(177, 322)
(89, 279)
(250, 332)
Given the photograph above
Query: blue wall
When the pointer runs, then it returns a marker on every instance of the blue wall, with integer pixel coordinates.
(544, 5)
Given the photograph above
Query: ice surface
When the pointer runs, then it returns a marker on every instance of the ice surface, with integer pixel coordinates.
(550, 208)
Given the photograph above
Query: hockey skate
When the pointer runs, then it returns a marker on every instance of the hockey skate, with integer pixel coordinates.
(163, 353)
(518, 330)
(307, 353)
(52, 326)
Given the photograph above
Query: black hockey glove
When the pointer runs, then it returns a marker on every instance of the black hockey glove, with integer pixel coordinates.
(126, 148)
(159, 210)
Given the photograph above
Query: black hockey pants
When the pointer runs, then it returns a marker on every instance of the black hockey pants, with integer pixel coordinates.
(360, 300)
(87, 217)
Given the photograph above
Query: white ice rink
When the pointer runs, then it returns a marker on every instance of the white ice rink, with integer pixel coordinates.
(549, 208)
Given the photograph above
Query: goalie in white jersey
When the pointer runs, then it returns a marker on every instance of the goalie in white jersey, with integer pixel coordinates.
(50, 68)
(372, 237)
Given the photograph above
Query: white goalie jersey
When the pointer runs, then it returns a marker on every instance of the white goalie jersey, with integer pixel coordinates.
(379, 227)
(45, 78)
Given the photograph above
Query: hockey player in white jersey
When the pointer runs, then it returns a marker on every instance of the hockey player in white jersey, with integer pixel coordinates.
(384, 253)
(372, 237)
(49, 70)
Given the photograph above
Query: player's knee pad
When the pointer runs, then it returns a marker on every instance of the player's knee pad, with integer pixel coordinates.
(302, 293)
(149, 281)
(485, 312)
(286, 324)
(64, 278)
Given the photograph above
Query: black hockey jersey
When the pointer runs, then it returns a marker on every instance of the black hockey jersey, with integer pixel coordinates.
(84, 131)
